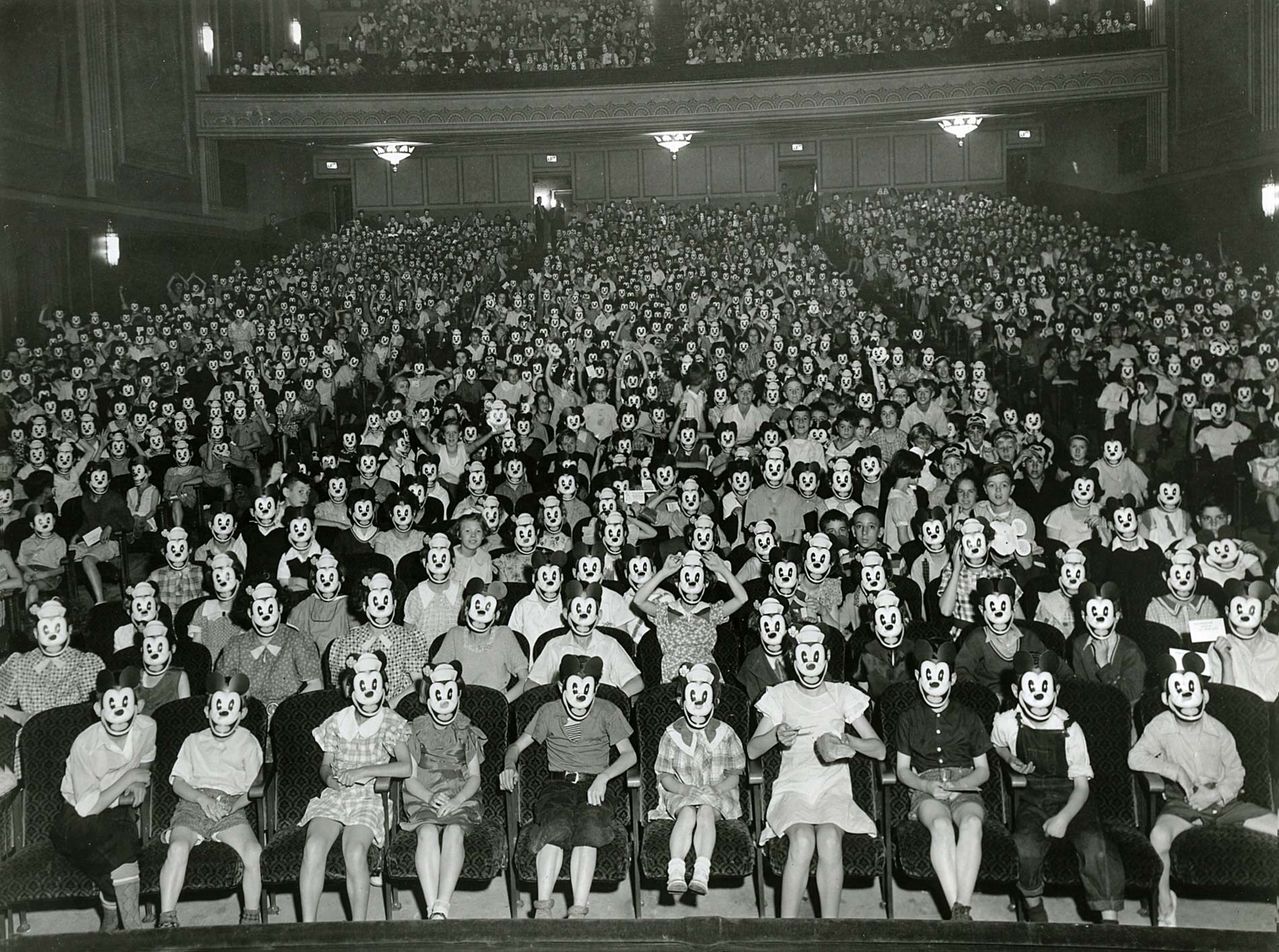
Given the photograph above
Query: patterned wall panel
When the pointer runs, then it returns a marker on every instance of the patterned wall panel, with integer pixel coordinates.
(152, 85)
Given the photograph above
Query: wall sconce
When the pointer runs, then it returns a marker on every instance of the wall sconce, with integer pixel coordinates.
(111, 246)
(295, 32)
(206, 39)
(1270, 197)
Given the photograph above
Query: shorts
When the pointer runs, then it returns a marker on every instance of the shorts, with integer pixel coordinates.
(190, 816)
(1145, 436)
(563, 818)
(943, 773)
(97, 845)
(1234, 813)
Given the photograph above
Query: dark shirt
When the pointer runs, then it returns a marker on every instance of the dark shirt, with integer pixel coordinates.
(878, 668)
(1038, 502)
(1126, 670)
(755, 674)
(978, 661)
(952, 738)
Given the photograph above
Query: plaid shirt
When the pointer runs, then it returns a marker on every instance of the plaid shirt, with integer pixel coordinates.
(965, 607)
(176, 587)
(1177, 615)
(34, 683)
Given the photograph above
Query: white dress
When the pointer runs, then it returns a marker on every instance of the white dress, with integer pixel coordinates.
(807, 790)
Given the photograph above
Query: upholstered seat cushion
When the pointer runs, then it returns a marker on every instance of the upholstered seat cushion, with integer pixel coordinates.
(734, 854)
(611, 864)
(999, 866)
(39, 873)
(1210, 856)
(863, 856)
(282, 859)
(485, 854)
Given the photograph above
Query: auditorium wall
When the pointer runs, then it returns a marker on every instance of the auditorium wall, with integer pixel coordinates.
(718, 171)
(96, 125)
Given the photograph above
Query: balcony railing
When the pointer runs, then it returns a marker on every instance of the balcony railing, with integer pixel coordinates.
(962, 55)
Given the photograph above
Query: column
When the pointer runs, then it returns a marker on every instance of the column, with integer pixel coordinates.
(96, 91)
(1268, 52)
(1156, 133)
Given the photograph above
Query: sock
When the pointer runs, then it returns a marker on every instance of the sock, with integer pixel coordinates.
(702, 868)
(126, 898)
(110, 916)
(676, 869)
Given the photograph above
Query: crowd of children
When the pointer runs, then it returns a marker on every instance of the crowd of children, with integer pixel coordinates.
(680, 452)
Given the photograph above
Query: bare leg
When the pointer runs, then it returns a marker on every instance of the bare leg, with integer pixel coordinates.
(355, 850)
(91, 573)
(968, 817)
(549, 861)
(452, 855)
(427, 860)
(320, 837)
(174, 870)
(581, 865)
(682, 833)
(803, 841)
(1268, 824)
(704, 835)
(936, 817)
(830, 868)
(246, 845)
(1166, 829)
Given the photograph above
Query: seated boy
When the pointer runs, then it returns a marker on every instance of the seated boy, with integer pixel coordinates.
(1040, 741)
(572, 812)
(1197, 754)
(108, 770)
(212, 776)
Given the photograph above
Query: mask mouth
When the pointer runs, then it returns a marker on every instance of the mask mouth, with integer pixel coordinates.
(936, 701)
(218, 729)
(697, 721)
(443, 719)
(811, 679)
(1036, 712)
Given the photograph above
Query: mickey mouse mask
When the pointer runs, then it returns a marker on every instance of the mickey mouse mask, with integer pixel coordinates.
(934, 669)
(442, 686)
(701, 691)
(1035, 684)
(117, 700)
(368, 682)
(226, 706)
(579, 679)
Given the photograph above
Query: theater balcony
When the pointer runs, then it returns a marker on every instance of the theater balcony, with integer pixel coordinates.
(723, 97)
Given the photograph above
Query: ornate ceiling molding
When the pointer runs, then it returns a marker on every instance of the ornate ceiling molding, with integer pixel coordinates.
(708, 105)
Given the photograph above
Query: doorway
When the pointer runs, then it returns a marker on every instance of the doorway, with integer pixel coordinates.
(555, 189)
(1018, 172)
(796, 181)
(552, 199)
(341, 204)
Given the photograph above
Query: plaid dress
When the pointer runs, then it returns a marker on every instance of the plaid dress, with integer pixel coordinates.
(176, 587)
(406, 651)
(702, 759)
(352, 742)
(687, 636)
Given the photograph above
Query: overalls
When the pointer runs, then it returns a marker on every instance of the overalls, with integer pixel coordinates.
(1047, 790)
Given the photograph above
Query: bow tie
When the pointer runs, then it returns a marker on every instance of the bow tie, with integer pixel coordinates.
(57, 661)
(256, 653)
